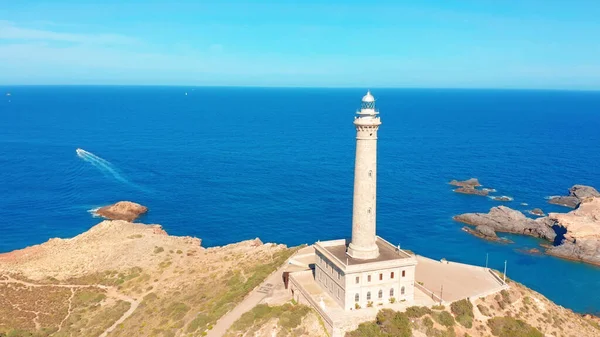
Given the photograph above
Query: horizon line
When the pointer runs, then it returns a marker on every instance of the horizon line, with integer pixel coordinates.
(301, 87)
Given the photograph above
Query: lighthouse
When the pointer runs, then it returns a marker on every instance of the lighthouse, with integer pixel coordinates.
(367, 121)
(365, 269)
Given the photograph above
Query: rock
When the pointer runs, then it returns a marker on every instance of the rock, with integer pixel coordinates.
(502, 198)
(537, 211)
(576, 194)
(473, 182)
(122, 210)
(485, 232)
(532, 251)
(581, 242)
(504, 219)
(471, 190)
(581, 192)
(565, 201)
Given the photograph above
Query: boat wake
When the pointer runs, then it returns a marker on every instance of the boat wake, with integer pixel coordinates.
(105, 167)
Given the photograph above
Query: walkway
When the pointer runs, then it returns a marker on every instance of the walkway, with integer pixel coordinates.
(256, 296)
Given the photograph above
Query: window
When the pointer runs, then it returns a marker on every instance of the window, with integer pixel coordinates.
(380, 295)
(369, 278)
(357, 280)
(392, 292)
(403, 273)
(370, 173)
(356, 297)
(380, 277)
(368, 295)
(402, 291)
(369, 211)
(392, 275)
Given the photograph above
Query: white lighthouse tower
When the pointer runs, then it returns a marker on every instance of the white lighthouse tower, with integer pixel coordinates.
(366, 269)
(363, 245)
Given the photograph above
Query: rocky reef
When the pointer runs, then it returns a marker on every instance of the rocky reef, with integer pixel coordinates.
(469, 186)
(485, 232)
(574, 235)
(537, 212)
(504, 219)
(576, 194)
(122, 210)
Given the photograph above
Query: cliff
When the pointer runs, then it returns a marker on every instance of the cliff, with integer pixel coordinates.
(127, 279)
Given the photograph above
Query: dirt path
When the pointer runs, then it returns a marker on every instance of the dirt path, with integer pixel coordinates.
(110, 291)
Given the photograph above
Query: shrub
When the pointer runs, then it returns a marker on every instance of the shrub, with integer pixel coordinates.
(158, 250)
(370, 304)
(444, 318)
(484, 310)
(392, 300)
(427, 322)
(356, 306)
(438, 307)
(510, 327)
(417, 312)
(393, 323)
(463, 310)
(369, 329)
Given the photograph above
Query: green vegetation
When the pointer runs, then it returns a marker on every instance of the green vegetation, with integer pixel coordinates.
(444, 318)
(289, 318)
(417, 312)
(510, 327)
(158, 250)
(484, 310)
(438, 307)
(463, 310)
(389, 323)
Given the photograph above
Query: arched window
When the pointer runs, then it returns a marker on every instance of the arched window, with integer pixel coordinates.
(368, 296)
(380, 293)
(370, 173)
(356, 297)
(403, 273)
(392, 292)
(402, 291)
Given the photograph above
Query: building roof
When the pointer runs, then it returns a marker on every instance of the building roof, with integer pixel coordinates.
(368, 97)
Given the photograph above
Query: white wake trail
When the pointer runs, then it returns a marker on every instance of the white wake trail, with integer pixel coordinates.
(104, 165)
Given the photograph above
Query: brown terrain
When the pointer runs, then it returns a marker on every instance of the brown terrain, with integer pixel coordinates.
(127, 279)
(122, 210)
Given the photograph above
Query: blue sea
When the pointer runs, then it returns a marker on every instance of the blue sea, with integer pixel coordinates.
(230, 164)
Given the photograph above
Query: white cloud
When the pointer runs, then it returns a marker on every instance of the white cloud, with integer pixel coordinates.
(11, 31)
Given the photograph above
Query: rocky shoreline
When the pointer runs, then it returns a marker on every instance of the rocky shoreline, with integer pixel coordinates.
(573, 236)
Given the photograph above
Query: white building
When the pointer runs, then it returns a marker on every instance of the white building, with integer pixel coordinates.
(367, 270)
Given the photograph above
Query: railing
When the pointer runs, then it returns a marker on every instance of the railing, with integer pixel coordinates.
(427, 291)
(309, 298)
(502, 282)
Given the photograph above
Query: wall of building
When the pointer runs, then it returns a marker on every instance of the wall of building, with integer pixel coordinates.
(330, 278)
(375, 285)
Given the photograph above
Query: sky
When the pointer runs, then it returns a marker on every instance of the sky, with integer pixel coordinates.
(541, 44)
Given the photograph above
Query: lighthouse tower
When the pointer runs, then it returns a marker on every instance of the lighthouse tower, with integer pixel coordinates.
(363, 244)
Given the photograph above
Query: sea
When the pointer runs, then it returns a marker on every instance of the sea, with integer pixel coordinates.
(230, 164)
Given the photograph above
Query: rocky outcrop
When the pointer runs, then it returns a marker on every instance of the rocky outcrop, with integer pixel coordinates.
(576, 194)
(122, 210)
(504, 219)
(582, 238)
(485, 232)
(471, 190)
(502, 198)
(537, 212)
(472, 183)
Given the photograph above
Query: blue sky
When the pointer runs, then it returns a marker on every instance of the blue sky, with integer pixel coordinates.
(435, 43)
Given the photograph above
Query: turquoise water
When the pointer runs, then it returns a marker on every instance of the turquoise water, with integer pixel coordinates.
(228, 164)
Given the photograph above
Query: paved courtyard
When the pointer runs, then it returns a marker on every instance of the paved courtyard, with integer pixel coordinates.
(458, 280)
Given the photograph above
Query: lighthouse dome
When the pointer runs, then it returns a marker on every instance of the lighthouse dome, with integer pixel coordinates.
(368, 98)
